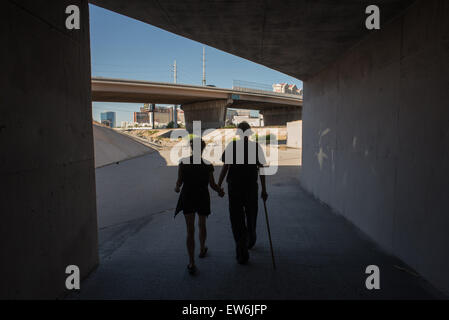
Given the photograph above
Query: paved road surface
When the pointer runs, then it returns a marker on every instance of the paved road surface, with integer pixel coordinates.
(319, 254)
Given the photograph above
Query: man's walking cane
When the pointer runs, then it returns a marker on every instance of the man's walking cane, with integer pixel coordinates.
(269, 233)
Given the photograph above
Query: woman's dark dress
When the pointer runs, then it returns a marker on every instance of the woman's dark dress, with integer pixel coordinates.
(194, 196)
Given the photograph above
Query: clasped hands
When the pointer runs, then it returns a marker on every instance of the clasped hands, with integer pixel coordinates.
(221, 192)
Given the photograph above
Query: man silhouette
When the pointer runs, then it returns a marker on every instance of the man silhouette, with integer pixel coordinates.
(242, 160)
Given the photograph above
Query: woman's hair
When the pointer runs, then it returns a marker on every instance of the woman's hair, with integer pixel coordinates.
(193, 141)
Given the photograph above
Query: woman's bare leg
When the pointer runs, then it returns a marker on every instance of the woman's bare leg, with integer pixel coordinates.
(190, 222)
(203, 232)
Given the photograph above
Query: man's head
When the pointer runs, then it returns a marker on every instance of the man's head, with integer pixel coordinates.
(244, 127)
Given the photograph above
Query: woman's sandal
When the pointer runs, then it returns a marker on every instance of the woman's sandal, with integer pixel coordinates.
(192, 269)
(203, 253)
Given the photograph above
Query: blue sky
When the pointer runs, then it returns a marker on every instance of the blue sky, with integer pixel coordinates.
(125, 48)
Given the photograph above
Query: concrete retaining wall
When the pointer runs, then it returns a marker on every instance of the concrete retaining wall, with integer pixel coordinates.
(111, 146)
(47, 202)
(294, 134)
(376, 138)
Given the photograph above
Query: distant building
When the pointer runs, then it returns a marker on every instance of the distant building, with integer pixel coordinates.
(108, 118)
(181, 117)
(230, 113)
(235, 116)
(252, 121)
(141, 117)
(286, 88)
(163, 115)
(280, 87)
(243, 112)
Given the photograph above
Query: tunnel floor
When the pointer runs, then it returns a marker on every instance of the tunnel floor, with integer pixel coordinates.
(319, 254)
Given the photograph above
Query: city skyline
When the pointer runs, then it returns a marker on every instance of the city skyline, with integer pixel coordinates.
(125, 48)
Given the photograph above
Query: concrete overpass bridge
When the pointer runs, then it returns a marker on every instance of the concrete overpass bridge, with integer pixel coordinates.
(204, 103)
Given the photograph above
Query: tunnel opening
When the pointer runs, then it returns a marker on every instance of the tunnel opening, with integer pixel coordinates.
(136, 168)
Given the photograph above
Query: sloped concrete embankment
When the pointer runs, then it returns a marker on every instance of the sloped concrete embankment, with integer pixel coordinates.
(112, 146)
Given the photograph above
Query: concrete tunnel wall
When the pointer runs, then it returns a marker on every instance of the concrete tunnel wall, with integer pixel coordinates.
(47, 203)
(376, 138)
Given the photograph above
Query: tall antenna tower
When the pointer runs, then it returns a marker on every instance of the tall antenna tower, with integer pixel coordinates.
(204, 66)
(174, 72)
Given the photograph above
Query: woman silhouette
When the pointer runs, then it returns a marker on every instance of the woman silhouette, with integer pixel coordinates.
(195, 179)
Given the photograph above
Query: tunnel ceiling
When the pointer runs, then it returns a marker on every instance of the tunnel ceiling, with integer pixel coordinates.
(298, 38)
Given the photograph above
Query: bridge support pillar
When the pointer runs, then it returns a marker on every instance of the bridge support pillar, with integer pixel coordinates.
(212, 114)
(49, 220)
(279, 116)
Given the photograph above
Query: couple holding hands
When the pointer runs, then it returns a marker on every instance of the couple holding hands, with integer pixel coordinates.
(242, 160)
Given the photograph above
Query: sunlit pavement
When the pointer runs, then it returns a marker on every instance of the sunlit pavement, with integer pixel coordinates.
(319, 255)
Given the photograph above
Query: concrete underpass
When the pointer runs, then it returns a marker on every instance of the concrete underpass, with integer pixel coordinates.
(319, 254)
(370, 186)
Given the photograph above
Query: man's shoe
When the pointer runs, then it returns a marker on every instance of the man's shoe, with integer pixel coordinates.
(242, 256)
(243, 260)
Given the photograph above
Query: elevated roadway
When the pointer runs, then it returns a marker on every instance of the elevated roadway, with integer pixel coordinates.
(204, 103)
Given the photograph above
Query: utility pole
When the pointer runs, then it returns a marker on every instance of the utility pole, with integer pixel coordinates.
(175, 107)
(174, 72)
(204, 66)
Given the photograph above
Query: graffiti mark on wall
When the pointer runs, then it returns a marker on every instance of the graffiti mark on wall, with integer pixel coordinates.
(321, 155)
